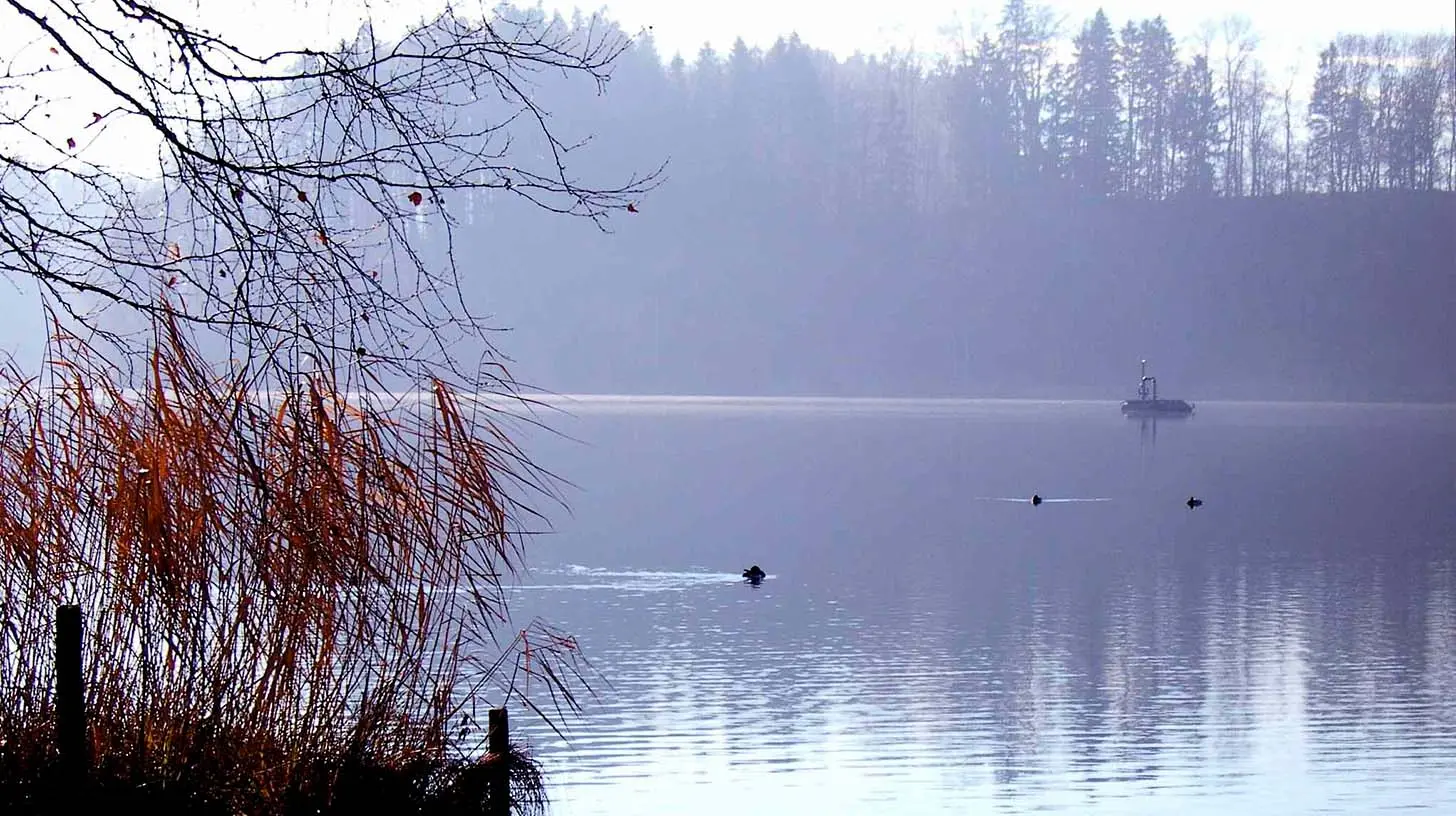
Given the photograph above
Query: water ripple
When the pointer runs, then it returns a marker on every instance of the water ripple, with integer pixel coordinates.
(1099, 658)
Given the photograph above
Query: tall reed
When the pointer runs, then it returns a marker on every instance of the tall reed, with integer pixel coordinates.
(291, 597)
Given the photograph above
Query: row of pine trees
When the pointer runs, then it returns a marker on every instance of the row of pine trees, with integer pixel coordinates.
(1121, 112)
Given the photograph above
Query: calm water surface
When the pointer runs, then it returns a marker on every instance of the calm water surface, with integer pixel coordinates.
(925, 645)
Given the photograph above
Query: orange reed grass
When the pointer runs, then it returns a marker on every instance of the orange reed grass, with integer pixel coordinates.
(277, 587)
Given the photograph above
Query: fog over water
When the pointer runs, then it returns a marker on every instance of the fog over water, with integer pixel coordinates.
(929, 638)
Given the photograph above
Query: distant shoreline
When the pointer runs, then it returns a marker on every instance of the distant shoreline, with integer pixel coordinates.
(688, 402)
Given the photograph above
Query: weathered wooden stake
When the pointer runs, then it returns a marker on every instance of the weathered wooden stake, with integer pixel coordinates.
(70, 694)
(498, 743)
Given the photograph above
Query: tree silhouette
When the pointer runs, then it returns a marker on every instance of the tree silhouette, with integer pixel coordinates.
(1097, 108)
(1151, 67)
(1195, 118)
(284, 207)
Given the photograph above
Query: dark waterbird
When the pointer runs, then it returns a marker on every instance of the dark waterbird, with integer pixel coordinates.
(1192, 502)
(754, 575)
(1035, 499)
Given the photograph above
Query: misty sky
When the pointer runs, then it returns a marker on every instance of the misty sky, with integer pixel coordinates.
(1287, 26)
(1291, 32)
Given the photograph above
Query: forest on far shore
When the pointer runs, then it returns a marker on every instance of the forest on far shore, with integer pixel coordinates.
(1030, 218)
(1113, 108)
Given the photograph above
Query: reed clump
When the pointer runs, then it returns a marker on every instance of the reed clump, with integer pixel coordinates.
(293, 595)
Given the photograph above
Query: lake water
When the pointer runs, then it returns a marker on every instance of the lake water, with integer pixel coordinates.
(925, 644)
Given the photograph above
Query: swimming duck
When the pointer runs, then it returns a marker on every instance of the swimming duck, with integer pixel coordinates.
(754, 575)
(1035, 499)
(1192, 502)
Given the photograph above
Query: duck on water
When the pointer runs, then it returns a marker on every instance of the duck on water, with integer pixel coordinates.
(754, 575)
(1148, 404)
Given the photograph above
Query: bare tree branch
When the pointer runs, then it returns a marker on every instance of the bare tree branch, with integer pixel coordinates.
(291, 189)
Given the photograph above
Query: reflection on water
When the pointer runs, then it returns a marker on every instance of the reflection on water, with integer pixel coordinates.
(1290, 647)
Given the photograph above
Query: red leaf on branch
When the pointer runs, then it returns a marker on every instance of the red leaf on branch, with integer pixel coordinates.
(415, 198)
(302, 196)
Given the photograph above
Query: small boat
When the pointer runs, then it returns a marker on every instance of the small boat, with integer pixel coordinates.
(1148, 404)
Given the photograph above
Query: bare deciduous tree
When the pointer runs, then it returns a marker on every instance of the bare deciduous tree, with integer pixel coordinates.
(283, 202)
(281, 566)
(1238, 45)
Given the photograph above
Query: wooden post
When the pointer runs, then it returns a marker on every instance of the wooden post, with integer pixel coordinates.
(498, 743)
(70, 694)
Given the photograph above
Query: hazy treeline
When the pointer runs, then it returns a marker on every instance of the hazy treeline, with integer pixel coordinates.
(872, 227)
(1028, 220)
(1382, 115)
(1113, 109)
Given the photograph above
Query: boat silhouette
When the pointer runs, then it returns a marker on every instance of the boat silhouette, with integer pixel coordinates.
(1148, 404)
